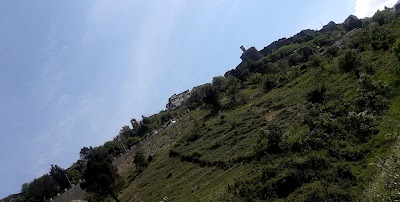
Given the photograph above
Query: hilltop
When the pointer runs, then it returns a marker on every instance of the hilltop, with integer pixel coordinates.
(313, 117)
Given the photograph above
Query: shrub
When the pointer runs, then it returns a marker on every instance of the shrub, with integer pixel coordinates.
(332, 50)
(383, 17)
(317, 95)
(255, 78)
(350, 61)
(269, 83)
(396, 49)
(371, 95)
(140, 161)
(361, 125)
(130, 141)
(218, 82)
(271, 140)
(316, 61)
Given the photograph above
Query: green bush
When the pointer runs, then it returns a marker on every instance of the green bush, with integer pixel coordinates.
(332, 50)
(371, 95)
(383, 17)
(317, 95)
(269, 83)
(140, 161)
(396, 49)
(271, 140)
(350, 61)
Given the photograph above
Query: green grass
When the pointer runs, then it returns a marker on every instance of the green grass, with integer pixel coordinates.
(232, 134)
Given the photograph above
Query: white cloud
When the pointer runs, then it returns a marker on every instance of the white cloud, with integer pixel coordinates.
(367, 8)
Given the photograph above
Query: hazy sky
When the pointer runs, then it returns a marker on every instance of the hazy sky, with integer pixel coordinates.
(72, 73)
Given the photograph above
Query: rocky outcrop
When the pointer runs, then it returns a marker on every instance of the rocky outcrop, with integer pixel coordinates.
(251, 54)
(352, 22)
(330, 27)
(303, 36)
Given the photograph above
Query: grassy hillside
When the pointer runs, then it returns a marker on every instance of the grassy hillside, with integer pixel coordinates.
(322, 127)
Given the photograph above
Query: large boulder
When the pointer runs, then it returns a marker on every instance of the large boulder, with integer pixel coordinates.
(330, 27)
(352, 22)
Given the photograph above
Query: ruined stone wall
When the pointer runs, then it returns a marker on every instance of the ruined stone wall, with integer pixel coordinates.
(75, 193)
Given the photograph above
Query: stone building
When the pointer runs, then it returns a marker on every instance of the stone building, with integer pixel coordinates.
(251, 54)
(177, 100)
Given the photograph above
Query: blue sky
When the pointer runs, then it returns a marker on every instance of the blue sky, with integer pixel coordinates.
(72, 73)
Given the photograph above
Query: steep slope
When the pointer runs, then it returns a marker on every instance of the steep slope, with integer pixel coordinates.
(291, 127)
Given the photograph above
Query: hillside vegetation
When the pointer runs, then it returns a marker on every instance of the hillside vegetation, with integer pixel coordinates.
(317, 119)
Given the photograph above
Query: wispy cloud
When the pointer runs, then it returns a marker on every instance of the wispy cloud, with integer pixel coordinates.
(366, 8)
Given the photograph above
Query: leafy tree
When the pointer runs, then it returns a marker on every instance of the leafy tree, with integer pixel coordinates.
(317, 95)
(39, 189)
(396, 49)
(130, 141)
(350, 61)
(84, 152)
(113, 148)
(59, 176)
(271, 140)
(101, 177)
(269, 83)
(218, 82)
(383, 17)
(165, 116)
(211, 97)
(140, 161)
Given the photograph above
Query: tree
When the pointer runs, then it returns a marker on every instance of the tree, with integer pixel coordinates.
(101, 177)
(59, 176)
(317, 95)
(38, 189)
(350, 61)
(211, 97)
(140, 161)
(218, 82)
(84, 153)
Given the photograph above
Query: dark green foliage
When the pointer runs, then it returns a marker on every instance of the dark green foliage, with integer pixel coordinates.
(255, 79)
(142, 129)
(269, 83)
(371, 95)
(140, 161)
(83, 154)
(322, 40)
(113, 148)
(382, 38)
(40, 188)
(316, 61)
(396, 50)
(271, 140)
(130, 141)
(59, 176)
(211, 98)
(317, 95)
(361, 40)
(263, 67)
(383, 17)
(295, 58)
(361, 125)
(350, 61)
(101, 177)
(219, 82)
(332, 50)
(194, 133)
(279, 182)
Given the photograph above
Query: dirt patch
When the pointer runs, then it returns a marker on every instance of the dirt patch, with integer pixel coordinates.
(275, 111)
